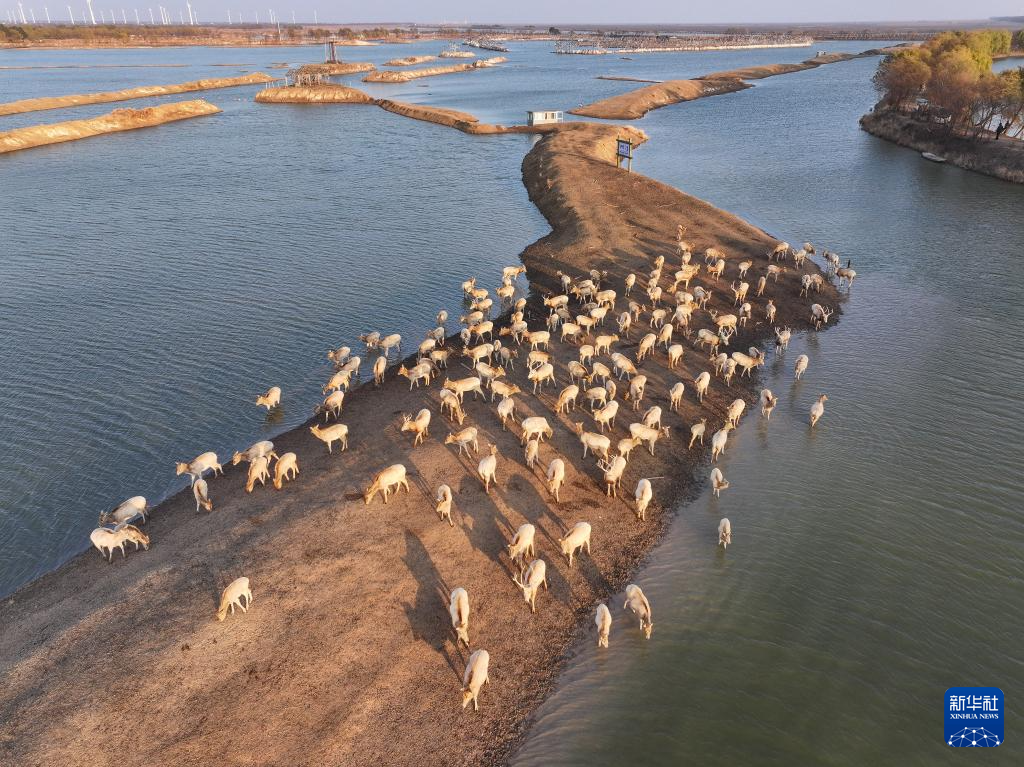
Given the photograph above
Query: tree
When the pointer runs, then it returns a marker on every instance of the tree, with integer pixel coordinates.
(953, 85)
(1012, 107)
(1000, 41)
(902, 76)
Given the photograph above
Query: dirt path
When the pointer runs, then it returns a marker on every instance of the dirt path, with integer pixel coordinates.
(346, 657)
(634, 104)
(142, 92)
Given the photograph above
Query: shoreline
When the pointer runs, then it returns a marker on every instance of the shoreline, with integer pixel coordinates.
(634, 104)
(1000, 159)
(298, 662)
(117, 121)
(145, 91)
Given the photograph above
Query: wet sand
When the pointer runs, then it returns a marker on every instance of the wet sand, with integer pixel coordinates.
(146, 91)
(346, 656)
(112, 122)
(634, 104)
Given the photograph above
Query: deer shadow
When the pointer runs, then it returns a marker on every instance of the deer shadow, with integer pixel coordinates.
(427, 613)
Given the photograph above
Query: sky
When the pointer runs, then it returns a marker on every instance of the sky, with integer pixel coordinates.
(542, 12)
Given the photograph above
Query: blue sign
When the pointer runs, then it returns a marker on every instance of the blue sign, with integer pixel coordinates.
(974, 717)
(624, 148)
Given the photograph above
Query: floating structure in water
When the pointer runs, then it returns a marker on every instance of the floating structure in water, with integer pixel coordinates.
(597, 45)
(487, 44)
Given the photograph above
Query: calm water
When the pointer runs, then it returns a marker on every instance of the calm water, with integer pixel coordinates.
(155, 281)
(877, 561)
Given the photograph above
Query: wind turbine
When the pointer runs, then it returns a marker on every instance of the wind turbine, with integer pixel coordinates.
(91, 14)
(47, 12)
(22, 12)
(71, 16)
(189, 6)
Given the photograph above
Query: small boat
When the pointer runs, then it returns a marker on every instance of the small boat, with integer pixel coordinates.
(932, 157)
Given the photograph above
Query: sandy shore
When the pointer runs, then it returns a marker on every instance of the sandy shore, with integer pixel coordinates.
(113, 122)
(346, 656)
(634, 104)
(1003, 159)
(145, 91)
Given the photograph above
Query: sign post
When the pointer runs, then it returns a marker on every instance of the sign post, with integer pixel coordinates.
(624, 151)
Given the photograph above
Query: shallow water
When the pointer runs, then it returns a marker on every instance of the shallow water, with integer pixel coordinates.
(154, 282)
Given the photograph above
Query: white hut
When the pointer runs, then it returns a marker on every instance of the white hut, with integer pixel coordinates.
(544, 118)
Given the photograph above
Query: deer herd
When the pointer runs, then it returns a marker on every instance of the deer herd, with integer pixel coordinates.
(609, 388)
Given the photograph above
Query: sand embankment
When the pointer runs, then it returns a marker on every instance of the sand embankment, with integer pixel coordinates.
(636, 103)
(626, 79)
(145, 91)
(414, 74)
(346, 656)
(337, 94)
(337, 68)
(313, 94)
(1003, 159)
(114, 122)
(452, 118)
(409, 61)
